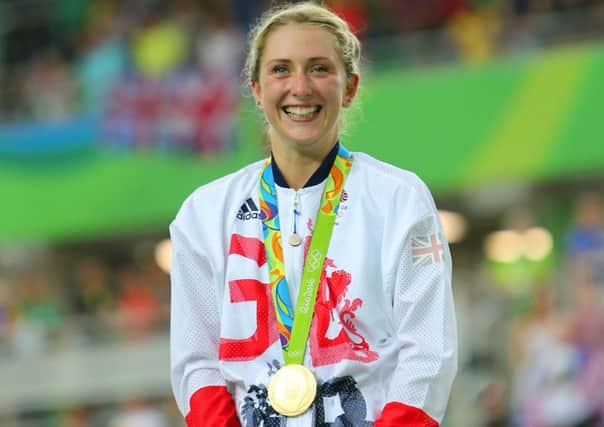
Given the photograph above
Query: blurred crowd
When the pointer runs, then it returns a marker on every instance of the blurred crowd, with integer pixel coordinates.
(133, 412)
(61, 301)
(533, 356)
(83, 302)
(154, 73)
(140, 62)
(558, 343)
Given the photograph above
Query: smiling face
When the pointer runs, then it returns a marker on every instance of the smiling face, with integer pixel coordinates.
(302, 87)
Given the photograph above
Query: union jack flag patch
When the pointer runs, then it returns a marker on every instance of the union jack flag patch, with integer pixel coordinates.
(426, 250)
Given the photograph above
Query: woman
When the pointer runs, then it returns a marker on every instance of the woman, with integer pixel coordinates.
(368, 335)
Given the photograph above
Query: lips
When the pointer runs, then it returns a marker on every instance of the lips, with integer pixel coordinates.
(302, 112)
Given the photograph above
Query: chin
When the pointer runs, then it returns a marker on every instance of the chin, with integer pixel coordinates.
(307, 142)
(308, 139)
(305, 139)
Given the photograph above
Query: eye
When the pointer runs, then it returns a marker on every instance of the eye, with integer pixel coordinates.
(319, 68)
(279, 69)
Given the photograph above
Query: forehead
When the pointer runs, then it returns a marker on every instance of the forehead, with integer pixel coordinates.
(299, 41)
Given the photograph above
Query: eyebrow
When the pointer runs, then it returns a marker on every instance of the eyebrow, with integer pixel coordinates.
(314, 58)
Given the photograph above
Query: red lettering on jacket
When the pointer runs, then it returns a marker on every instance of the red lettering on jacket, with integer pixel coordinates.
(266, 332)
(248, 247)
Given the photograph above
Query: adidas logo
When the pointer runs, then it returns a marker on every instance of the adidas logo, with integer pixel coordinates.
(248, 211)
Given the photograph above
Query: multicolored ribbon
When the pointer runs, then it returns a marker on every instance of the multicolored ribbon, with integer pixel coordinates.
(272, 234)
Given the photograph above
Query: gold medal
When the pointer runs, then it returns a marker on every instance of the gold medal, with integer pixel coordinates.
(292, 390)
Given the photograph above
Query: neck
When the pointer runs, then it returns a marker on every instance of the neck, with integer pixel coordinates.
(297, 166)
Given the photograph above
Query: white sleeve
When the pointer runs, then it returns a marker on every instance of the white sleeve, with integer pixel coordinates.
(423, 312)
(194, 323)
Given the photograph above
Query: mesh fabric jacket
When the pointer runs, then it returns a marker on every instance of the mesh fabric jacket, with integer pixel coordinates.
(382, 344)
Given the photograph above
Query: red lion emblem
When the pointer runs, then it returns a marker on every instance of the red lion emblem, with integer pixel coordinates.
(333, 334)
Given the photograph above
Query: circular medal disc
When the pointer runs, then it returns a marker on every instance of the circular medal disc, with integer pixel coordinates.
(294, 239)
(292, 390)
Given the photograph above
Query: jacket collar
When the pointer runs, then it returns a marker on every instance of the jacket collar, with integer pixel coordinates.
(317, 177)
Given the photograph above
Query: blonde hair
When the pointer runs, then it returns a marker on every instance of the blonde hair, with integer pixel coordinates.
(348, 46)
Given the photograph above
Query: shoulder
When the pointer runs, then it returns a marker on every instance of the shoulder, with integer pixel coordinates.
(387, 179)
(224, 187)
(217, 198)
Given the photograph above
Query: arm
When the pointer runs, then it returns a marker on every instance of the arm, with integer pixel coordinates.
(424, 318)
(198, 386)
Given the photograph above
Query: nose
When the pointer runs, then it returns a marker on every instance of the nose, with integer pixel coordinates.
(301, 85)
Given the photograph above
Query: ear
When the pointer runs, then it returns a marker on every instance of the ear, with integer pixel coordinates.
(352, 85)
(256, 92)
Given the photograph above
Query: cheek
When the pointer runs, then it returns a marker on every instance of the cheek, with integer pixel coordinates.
(336, 90)
(337, 97)
(269, 90)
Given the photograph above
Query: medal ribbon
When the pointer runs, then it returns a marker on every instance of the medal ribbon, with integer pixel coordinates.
(294, 328)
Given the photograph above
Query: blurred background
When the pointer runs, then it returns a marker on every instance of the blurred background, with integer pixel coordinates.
(112, 112)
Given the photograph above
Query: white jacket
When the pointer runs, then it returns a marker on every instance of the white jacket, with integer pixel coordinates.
(384, 326)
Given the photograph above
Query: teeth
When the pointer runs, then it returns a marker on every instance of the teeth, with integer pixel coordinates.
(301, 111)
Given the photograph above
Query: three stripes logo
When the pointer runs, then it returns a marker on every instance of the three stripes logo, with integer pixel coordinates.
(248, 211)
